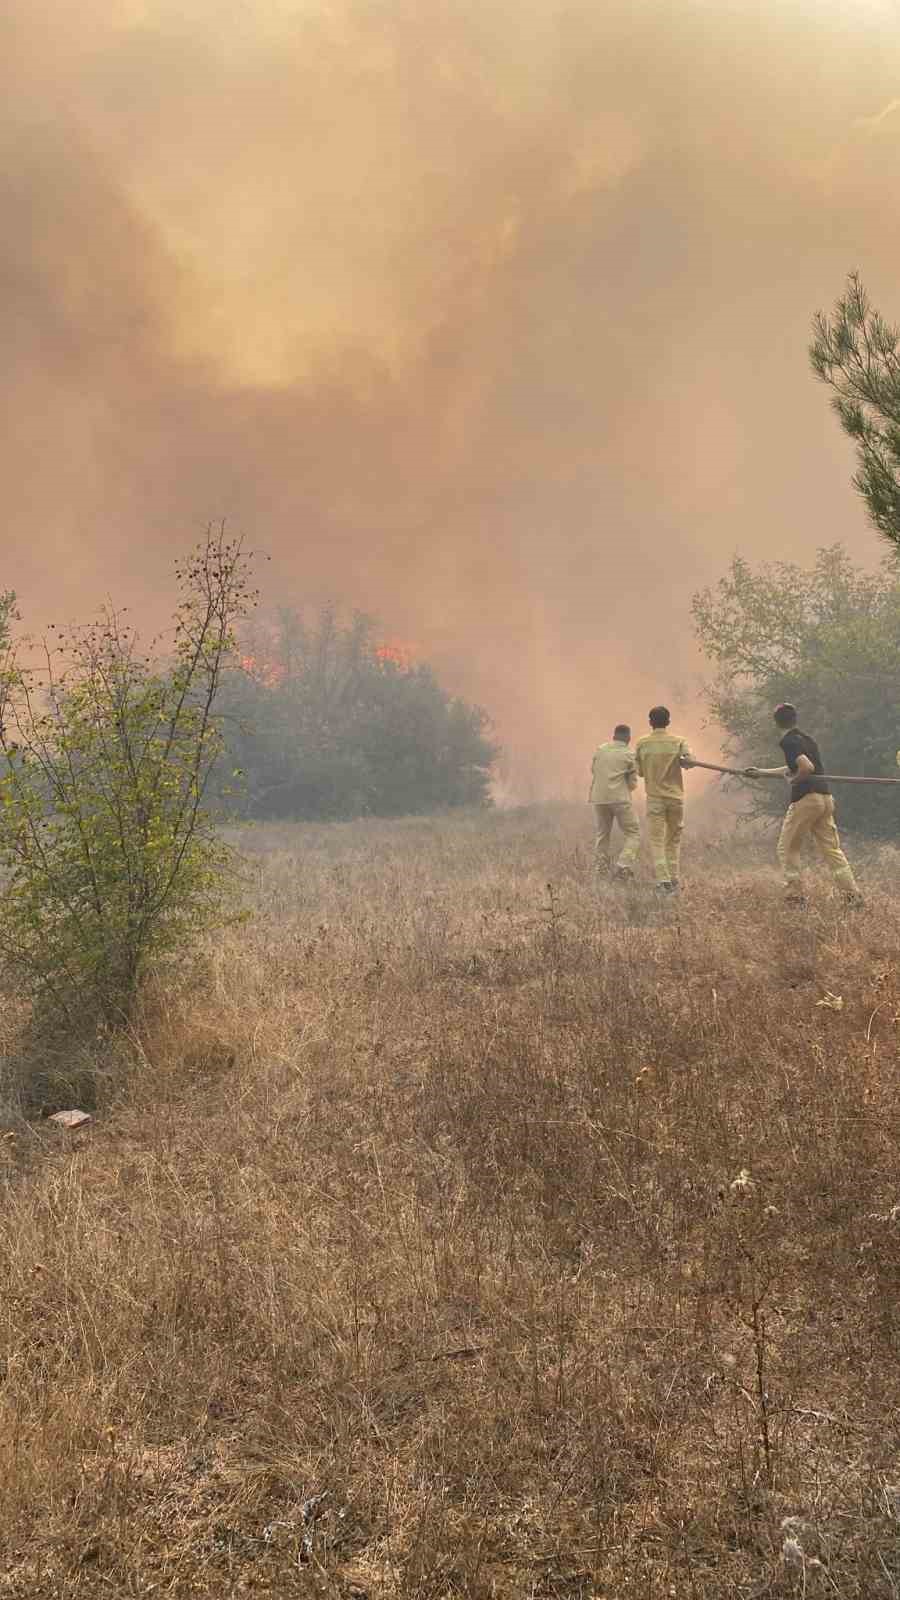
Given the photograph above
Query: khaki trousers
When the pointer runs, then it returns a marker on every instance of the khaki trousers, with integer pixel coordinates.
(622, 812)
(665, 825)
(813, 818)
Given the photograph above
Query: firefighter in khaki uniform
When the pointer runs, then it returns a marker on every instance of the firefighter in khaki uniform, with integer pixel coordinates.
(660, 757)
(613, 777)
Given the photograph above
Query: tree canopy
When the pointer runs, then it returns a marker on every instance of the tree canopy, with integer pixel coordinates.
(857, 353)
(825, 638)
(325, 721)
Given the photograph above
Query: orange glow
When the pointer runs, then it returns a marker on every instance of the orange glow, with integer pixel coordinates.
(268, 673)
(395, 654)
(271, 674)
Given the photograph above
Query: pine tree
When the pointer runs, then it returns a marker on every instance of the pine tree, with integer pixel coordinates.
(856, 353)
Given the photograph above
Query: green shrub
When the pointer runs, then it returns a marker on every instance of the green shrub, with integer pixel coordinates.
(108, 851)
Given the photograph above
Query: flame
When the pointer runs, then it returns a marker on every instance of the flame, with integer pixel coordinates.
(269, 673)
(393, 653)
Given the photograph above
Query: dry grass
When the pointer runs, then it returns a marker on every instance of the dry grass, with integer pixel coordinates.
(551, 1235)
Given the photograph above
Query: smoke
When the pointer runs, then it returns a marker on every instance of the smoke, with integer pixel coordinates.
(488, 319)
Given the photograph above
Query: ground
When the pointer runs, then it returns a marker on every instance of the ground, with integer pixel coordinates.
(455, 1226)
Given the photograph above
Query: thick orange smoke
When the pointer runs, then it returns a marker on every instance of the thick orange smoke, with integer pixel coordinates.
(487, 319)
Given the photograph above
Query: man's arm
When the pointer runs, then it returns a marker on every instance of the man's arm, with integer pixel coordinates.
(798, 764)
(631, 776)
(798, 768)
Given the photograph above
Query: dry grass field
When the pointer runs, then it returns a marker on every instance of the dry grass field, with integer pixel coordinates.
(453, 1228)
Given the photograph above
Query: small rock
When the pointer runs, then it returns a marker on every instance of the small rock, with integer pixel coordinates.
(70, 1119)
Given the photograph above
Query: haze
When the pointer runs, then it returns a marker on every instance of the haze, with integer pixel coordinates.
(488, 318)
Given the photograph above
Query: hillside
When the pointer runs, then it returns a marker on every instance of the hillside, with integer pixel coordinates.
(452, 1229)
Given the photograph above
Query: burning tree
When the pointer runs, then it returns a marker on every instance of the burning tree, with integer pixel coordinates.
(328, 720)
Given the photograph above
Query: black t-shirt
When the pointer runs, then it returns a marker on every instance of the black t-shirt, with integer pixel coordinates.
(796, 744)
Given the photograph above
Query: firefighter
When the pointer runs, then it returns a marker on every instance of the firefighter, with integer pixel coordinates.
(613, 778)
(810, 814)
(660, 757)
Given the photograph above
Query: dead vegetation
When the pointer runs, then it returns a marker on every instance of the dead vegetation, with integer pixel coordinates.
(455, 1230)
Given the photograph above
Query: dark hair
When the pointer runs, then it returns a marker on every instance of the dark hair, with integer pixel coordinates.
(659, 717)
(785, 715)
(622, 731)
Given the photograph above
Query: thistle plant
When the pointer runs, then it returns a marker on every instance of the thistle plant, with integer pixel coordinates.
(109, 857)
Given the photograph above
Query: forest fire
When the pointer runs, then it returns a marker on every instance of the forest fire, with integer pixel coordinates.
(268, 673)
(393, 653)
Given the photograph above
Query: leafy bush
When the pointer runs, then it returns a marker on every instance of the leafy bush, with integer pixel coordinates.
(828, 640)
(108, 852)
(325, 722)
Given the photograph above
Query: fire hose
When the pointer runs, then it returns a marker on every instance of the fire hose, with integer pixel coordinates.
(831, 777)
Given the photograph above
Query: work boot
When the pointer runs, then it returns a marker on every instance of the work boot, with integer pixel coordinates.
(667, 887)
(853, 900)
(795, 900)
(623, 874)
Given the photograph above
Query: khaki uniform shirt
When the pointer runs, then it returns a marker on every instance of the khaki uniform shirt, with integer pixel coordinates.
(658, 757)
(613, 774)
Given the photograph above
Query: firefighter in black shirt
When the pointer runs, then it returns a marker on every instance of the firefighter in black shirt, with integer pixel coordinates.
(810, 814)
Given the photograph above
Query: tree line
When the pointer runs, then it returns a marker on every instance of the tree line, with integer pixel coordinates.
(324, 721)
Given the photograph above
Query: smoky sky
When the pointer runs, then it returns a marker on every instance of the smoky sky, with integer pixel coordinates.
(488, 318)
